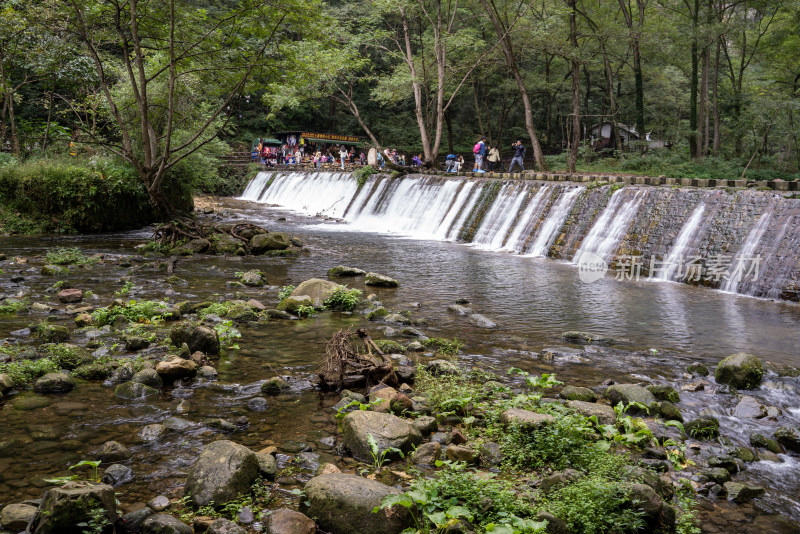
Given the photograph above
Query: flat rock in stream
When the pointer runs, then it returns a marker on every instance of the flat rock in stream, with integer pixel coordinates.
(482, 321)
(389, 431)
(344, 271)
(223, 472)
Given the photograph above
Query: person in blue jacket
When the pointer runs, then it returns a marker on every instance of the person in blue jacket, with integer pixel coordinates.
(519, 155)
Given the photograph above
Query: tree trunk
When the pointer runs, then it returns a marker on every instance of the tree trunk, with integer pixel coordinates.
(576, 89)
(702, 118)
(449, 121)
(693, 87)
(637, 73)
(715, 103)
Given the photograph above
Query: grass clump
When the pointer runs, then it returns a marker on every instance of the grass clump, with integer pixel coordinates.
(363, 174)
(26, 371)
(69, 256)
(446, 347)
(285, 291)
(12, 306)
(220, 309)
(67, 356)
(343, 299)
(145, 311)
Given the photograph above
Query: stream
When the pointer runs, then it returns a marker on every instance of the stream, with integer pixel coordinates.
(533, 300)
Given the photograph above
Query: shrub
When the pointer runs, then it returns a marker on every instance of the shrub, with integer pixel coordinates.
(343, 299)
(138, 312)
(12, 306)
(68, 256)
(25, 371)
(444, 346)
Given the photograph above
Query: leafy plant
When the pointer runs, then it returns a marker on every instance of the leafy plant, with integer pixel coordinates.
(378, 455)
(285, 291)
(306, 311)
(220, 309)
(343, 299)
(145, 311)
(97, 523)
(11, 306)
(25, 371)
(69, 256)
(125, 290)
(440, 345)
(227, 334)
(363, 174)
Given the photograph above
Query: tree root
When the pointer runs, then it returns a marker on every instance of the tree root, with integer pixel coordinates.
(345, 366)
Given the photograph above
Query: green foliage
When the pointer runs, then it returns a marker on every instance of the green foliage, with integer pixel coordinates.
(125, 289)
(444, 346)
(26, 371)
(67, 356)
(145, 311)
(343, 299)
(69, 256)
(97, 523)
(12, 306)
(227, 334)
(378, 455)
(362, 175)
(594, 505)
(220, 309)
(285, 291)
(687, 523)
(306, 311)
(456, 493)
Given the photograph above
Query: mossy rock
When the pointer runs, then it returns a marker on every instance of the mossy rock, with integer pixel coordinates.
(134, 391)
(54, 270)
(67, 355)
(698, 369)
(664, 393)
(390, 347)
(93, 371)
(670, 412)
(578, 394)
(49, 333)
(274, 386)
(261, 243)
(703, 427)
(740, 370)
(292, 304)
(240, 312)
(343, 271)
(377, 314)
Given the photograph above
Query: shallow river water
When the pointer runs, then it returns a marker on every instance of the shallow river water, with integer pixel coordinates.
(532, 300)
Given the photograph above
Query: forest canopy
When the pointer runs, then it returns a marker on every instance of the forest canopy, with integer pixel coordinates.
(165, 84)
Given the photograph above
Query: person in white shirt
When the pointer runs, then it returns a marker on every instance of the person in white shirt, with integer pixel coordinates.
(343, 155)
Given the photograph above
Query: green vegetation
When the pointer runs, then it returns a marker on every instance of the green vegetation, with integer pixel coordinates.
(285, 291)
(24, 372)
(443, 346)
(145, 311)
(67, 356)
(379, 457)
(69, 256)
(227, 334)
(343, 299)
(258, 499)
(12, 306)
(363, 174)
(306, 311)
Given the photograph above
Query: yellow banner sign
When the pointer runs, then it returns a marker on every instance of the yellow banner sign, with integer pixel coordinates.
(330, 137)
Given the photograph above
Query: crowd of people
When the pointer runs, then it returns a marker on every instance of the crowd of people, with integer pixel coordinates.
(486, 157)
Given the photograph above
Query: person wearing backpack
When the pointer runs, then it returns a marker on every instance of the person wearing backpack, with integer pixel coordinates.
(479, 150)
(450, 162)
(519, 155)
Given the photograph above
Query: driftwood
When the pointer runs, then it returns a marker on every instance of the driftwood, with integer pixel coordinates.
(188, 229)
(345, 366)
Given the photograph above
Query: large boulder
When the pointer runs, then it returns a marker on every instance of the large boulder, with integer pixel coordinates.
(224, 526)
(343, 504)
(285, 521)
(199, 338)
(54, 383)
(525, 419)
(224, 471)
(17, 516)
(789, 437)
(134, 391)
(630, 393)
(317, 289)
(749, 407)
(389, 431)
(740, 370)
(605, 414)
(738, 492)
(6, 383)
(70, 296)
(176, 368)
(578, 394)
(148, 377)
(292, 304)
(165, 524)
(113, 451)
(262, 243)
(117, 475)
(63, 509)
(380, 280)
(342, 270)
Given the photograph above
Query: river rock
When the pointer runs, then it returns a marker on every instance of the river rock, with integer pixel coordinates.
(442, 368)
(426, 424)
(740, 370)
(274, 385)
(134, 391)
(199, 338)
(389, 431)
(482, 321)
(562, 355)
(739, 492)
(460, 453)
(380, 280)
(176, 368)
(605, 414)
(159, 503)
(645, 499)
(292, 304)
(17, 516)
(134, 519)
(720, 475)
(343, 271)
(578, 394)
(222, 473)
(704, 427)
(525, 419)
(52, 333)
(664, 393)
(70, 296)
(54, 383)
(556, 480)
(697, 369)
(28, 402)
(135, 343)
(217, 423)
(54, 270)
(113, 451)
(629, 393)
(257, 404)
(151, 432)
(267, 465)
(165, 524)
(750, 408)
(224, 526)
(584, 337)
(176, 424)
(427, 453)
(760, 440)
(261, 243)
(148, 377)
(789, 437)
(62, 509)
(117, 475)
(343, 504)
(458, 309)
(317, 289)
(669, 411)
(253, 278)
(285, 521)
(6, 383)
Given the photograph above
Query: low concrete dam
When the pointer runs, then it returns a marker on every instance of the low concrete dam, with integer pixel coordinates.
(736, 240)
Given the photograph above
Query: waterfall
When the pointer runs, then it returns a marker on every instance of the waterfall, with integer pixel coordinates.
(675, 257)
(530, 218)
(743, 258)
(608, 230)
(555, 220)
